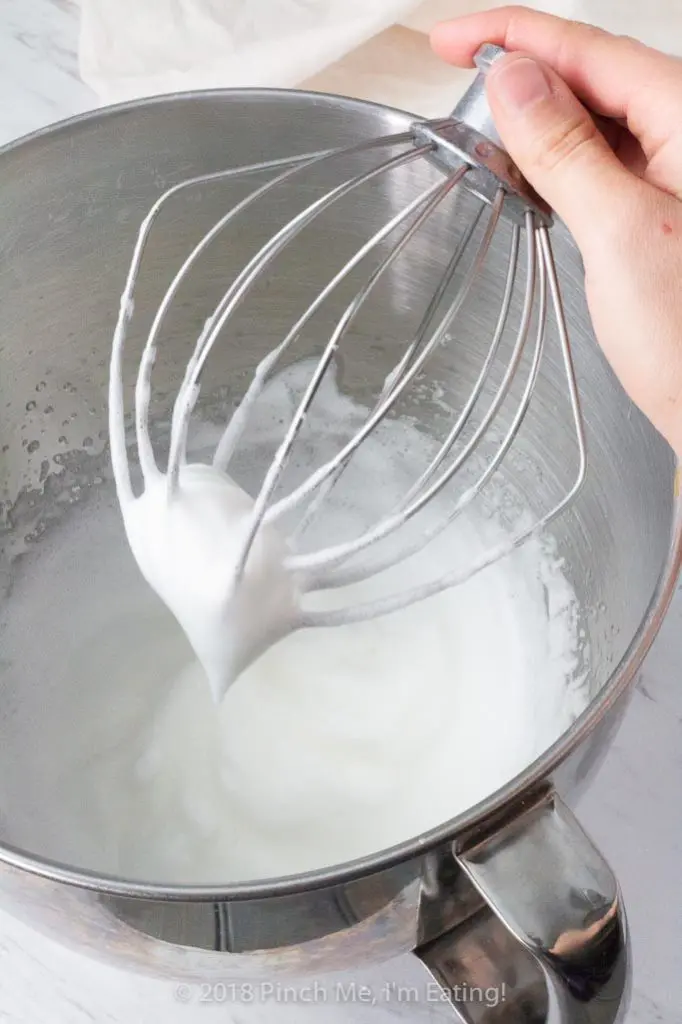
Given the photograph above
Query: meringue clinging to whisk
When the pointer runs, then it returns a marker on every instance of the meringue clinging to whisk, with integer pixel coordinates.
(222, 560)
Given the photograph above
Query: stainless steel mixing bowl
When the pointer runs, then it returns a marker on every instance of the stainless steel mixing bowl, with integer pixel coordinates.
(511, 892)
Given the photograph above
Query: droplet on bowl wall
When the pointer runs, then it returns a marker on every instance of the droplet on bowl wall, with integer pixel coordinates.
(32, 446)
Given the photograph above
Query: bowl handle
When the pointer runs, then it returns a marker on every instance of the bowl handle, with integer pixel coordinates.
(552, 942)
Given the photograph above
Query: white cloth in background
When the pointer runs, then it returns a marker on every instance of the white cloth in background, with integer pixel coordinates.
(372, 49)
(132, 47)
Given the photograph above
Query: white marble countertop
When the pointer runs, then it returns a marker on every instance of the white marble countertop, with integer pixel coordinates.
(633, 810)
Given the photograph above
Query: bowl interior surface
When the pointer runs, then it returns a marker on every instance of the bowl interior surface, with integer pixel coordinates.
(71, 201)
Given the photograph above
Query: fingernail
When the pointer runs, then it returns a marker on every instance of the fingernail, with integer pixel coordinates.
(520, 84)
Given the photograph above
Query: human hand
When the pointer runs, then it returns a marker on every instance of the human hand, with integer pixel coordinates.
(618, 188)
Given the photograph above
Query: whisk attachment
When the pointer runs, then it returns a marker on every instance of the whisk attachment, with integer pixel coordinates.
(254, 556)
(469, 138)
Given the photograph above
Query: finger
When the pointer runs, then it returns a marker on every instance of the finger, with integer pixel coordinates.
(624, 144)
(631, 155)
(608, 72)
(559, 149)
(610, 129)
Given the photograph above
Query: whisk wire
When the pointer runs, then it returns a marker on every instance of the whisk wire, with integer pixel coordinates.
(254, 269)
(329, 556)
(323, 492)
(547, 272)
(429, 316)
(479, 384)
(569, 368)
(294, 165)
(383, 606)
(434, 191)
(316, 478)
(239, 418)
(434, 197)
(143, 385)
(345, 576)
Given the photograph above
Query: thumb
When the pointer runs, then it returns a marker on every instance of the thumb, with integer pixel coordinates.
(557, 146)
